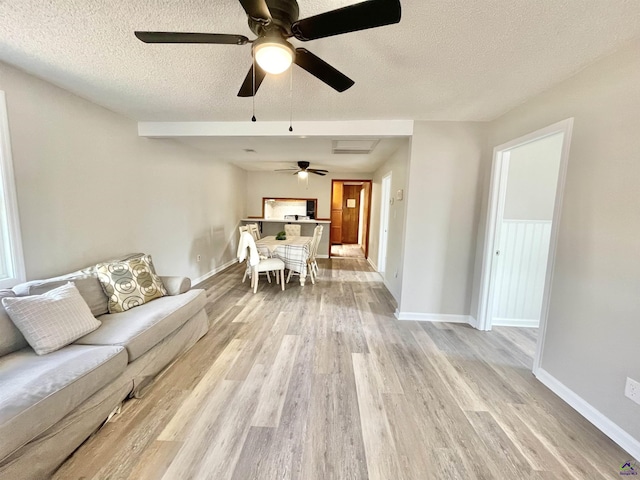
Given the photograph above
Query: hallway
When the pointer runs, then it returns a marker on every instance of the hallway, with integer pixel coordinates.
(347, 251)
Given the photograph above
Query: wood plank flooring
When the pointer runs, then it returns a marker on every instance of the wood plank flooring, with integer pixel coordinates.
(321, 382)
(347, 251)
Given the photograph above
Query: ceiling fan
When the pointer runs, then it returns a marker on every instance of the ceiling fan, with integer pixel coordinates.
(303, 170)
(274, 21)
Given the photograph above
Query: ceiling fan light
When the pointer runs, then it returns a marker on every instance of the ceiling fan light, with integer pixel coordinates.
(273, 56)
(303, 174)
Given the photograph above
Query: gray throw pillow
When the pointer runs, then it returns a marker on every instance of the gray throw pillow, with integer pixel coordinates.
(89, 287)
(51, 320)
(11, 340)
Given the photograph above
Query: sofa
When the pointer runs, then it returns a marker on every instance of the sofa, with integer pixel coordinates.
(50, 404)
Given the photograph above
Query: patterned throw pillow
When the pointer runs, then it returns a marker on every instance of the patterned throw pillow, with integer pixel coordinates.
(130, 283)
(51, 320)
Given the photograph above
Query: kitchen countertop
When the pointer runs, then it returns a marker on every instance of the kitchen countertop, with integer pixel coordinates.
(279, 220)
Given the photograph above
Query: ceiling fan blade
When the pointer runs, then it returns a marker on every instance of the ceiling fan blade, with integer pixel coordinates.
(361, 16)
(317, 173)
(257, 9)
(322, 70)
(177, 37)
(247, 89)
(315, 170)
(286, 170)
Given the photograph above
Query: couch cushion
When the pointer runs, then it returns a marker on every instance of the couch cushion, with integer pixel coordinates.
(88, 286)
(22, 289)
(38, 391)
(141, 328)
(51, 320)
(11, 340)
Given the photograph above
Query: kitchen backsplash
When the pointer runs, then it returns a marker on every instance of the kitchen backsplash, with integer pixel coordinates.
(279, 208)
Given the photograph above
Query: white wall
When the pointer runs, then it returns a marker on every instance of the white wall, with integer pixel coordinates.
(591, 342)
(532, 179)
(284, 185)
(398, 166)
(442, 217)
(90, 189)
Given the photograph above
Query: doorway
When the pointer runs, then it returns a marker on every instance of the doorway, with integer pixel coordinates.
(525, 200)
(385, 202)
(350, 212)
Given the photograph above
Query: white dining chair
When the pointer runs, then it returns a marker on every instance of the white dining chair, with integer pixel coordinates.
(291, 230)
(247, 250)
(313, 264)
(254, 230)
(242, 229)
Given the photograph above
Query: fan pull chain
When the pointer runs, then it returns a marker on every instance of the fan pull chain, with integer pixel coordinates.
(291, 100)
(253, 97)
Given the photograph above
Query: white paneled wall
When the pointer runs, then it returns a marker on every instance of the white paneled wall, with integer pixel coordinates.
(522, 264)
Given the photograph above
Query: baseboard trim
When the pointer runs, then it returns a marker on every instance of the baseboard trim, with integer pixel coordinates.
(373, 265)
(214, 271)
(628, 443)
(511, 322)
(435, 317)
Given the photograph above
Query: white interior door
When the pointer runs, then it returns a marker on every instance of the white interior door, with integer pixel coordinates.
(528, 184)
(384, 222)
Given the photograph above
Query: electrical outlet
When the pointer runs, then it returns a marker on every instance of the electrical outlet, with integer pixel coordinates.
(632, 390)
(198, 258)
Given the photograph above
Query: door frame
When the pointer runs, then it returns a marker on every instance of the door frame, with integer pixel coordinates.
(497, 193)
(384, 222)
(367, 223)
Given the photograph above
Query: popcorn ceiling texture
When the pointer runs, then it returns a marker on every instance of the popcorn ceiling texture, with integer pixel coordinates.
(464, 60)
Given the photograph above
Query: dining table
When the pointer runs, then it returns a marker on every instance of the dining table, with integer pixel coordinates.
(293, 251)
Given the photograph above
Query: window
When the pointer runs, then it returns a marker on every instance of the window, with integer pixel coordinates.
(11, 261)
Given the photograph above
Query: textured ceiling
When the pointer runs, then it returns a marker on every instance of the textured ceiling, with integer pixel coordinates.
(445, 60)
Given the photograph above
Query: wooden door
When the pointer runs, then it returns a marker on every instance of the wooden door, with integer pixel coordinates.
(350, 213)
(336, 213)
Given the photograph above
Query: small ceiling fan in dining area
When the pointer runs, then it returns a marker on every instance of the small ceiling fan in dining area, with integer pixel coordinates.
(303, 170)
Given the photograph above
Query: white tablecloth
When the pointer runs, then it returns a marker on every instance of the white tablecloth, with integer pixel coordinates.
(294, 251)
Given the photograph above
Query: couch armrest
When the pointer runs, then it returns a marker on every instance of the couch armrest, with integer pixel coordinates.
(176, 285)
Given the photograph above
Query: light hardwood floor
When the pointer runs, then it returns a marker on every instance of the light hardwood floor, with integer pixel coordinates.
(347, 251)
(321, 382)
